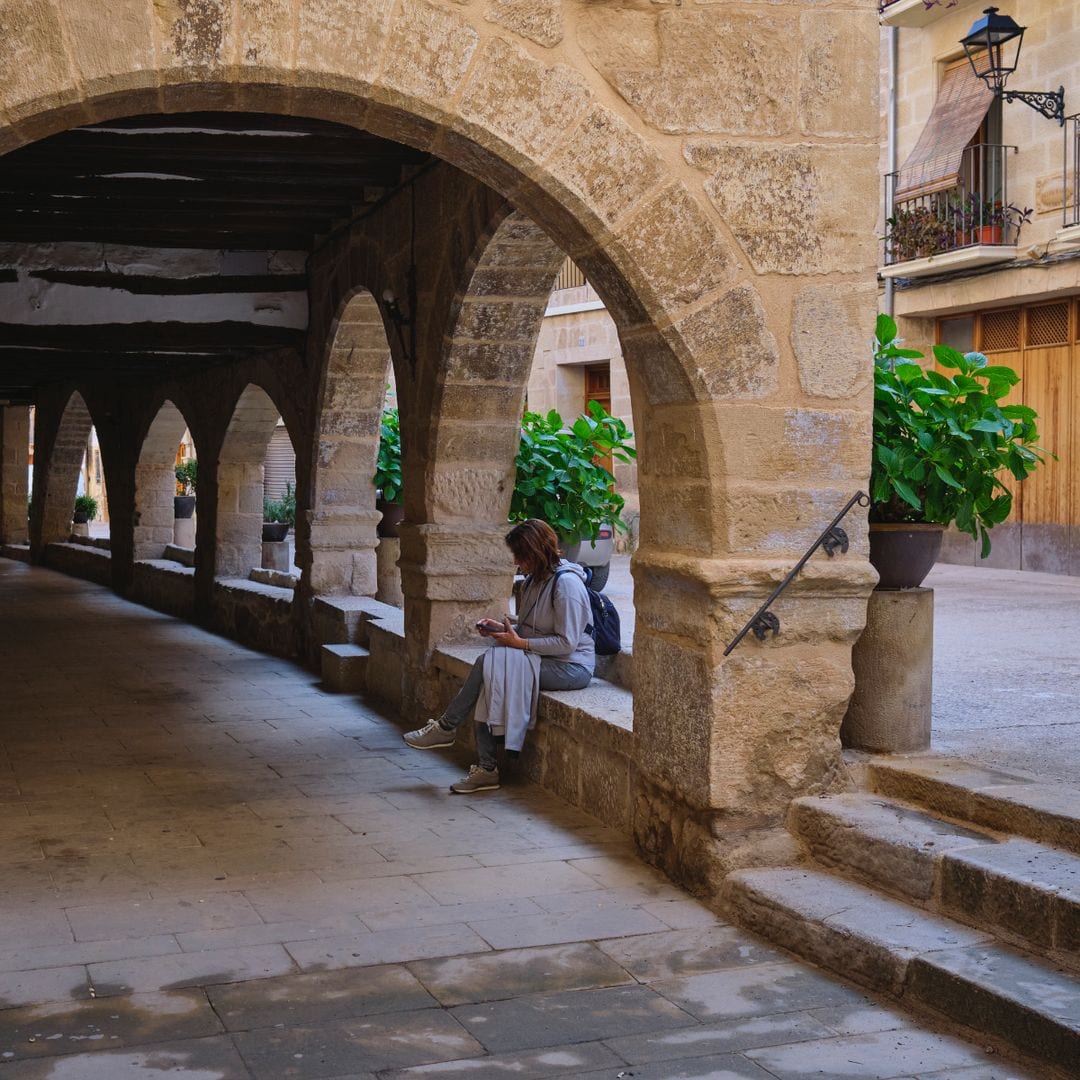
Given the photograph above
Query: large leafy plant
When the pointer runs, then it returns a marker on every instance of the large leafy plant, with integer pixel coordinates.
(388, 464)
(942, 442)
(187, 476)
(559, 478)
(281, 510)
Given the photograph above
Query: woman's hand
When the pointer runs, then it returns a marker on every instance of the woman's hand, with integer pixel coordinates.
(509, 637)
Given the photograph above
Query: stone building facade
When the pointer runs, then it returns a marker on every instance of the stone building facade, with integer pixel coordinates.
(711, 168)
(1012, 294)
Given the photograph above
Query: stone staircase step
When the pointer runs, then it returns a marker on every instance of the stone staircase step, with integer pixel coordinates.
(879, 840)
(1009, 802)
(1018, 890)
(344, 668)
(929, 961)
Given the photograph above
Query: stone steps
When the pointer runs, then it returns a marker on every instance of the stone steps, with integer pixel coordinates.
(931, 963)
(1009, 802)
(1023, 892)
(344, 667)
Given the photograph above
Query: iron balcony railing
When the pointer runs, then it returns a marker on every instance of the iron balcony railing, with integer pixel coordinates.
(965, 209)
(1072, 171)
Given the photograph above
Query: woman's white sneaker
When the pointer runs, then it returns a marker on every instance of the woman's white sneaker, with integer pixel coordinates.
(431, 736)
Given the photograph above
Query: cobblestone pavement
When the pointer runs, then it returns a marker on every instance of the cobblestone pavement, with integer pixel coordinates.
(212, 869)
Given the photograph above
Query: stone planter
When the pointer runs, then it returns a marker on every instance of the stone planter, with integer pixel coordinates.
(274, 532)
(393, 514)
(183, 507)
(904, 553)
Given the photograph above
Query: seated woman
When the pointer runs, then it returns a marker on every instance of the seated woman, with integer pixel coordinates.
(549, 648)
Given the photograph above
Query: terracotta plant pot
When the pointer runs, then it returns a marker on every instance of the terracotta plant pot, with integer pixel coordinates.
(393, 514)
(183, 506)
(988, 234)
(274, 531)
(903, 554)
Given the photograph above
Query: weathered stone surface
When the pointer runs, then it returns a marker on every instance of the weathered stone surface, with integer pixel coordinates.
(680, 250)
(842, 926)
(522, 102)
(1024, 1001)
(538, 20)
(34, 58)
(431, 50)
(795, 209)
(608, 165)
(696, 71)
(839, 51)
(883, 842)
(827, 321)
(342, 42)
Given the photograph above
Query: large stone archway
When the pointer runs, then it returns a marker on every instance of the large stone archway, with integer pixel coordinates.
(721, 206)
(155, 482)
(62, 449)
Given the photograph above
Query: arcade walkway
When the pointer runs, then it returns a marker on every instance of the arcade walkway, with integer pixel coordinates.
(209, 868)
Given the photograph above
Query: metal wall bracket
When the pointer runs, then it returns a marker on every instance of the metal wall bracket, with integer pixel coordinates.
(763, 622)
(834, 540)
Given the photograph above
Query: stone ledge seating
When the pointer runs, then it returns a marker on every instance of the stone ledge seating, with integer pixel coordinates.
(363, 652)
(980, 921)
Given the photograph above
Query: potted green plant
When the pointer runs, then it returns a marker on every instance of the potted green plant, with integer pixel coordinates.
(86, 508)
(279, 516)
(914, 232)
(560, 479)
(941, 445)
(387, 477)
(187, 475)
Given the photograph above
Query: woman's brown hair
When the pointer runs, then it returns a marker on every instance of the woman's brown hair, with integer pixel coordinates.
(535, 542)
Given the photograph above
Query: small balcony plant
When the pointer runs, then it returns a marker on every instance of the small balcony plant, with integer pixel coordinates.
(942, 442)
(914, 232)
(976, 220)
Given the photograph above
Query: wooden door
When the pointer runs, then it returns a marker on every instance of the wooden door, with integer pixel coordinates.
(598, 389)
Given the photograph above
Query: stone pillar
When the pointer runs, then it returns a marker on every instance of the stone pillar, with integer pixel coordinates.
(14, 473)
(386, 557)
(275, 555)
(890, 710)
(183, 533)
(343, 549)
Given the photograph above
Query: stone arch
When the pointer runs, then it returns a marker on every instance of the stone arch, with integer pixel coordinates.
(240, 482)
(62, 462)
(721, 324)
(349, 407)
(155, 482)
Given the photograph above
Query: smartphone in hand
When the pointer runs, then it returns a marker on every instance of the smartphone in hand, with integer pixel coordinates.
(486, 627)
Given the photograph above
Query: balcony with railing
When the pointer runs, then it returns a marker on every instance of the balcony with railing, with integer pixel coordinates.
(1071, 179)
(962, 220)
(913, 12)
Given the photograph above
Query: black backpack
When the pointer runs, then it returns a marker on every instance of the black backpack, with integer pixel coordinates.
(604, 628)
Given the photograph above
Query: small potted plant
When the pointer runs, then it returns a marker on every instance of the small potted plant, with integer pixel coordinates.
(187, 474)
(560, 479)
(86, 509)
(941, 445)
(387, 477)
(915, 232)
(279, 516)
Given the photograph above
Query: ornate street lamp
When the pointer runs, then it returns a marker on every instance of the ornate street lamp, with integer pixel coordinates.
(992, 47)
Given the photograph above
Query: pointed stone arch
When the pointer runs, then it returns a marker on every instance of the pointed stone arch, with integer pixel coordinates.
(356, 368)
(60, 463)
(155, 482)
(238, 546)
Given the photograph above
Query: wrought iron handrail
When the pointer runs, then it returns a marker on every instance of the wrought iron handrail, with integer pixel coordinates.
(832, 539)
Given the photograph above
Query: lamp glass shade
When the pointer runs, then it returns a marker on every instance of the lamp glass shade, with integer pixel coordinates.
(992, 47)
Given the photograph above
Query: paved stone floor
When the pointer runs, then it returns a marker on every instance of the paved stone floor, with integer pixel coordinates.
(211, 869)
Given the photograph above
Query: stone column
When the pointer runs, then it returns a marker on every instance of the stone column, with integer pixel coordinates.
(14, 473)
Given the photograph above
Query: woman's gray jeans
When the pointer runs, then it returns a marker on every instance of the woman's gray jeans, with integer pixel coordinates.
(554, 675)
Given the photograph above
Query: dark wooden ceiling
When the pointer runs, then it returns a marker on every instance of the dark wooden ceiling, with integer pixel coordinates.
(232, 181)
(197, 180)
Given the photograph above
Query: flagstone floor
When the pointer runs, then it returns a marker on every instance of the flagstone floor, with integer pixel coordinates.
(210, 868)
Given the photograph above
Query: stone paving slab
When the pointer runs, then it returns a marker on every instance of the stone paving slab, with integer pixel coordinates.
(105, 1023)
(326, 845)
(516, 972)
